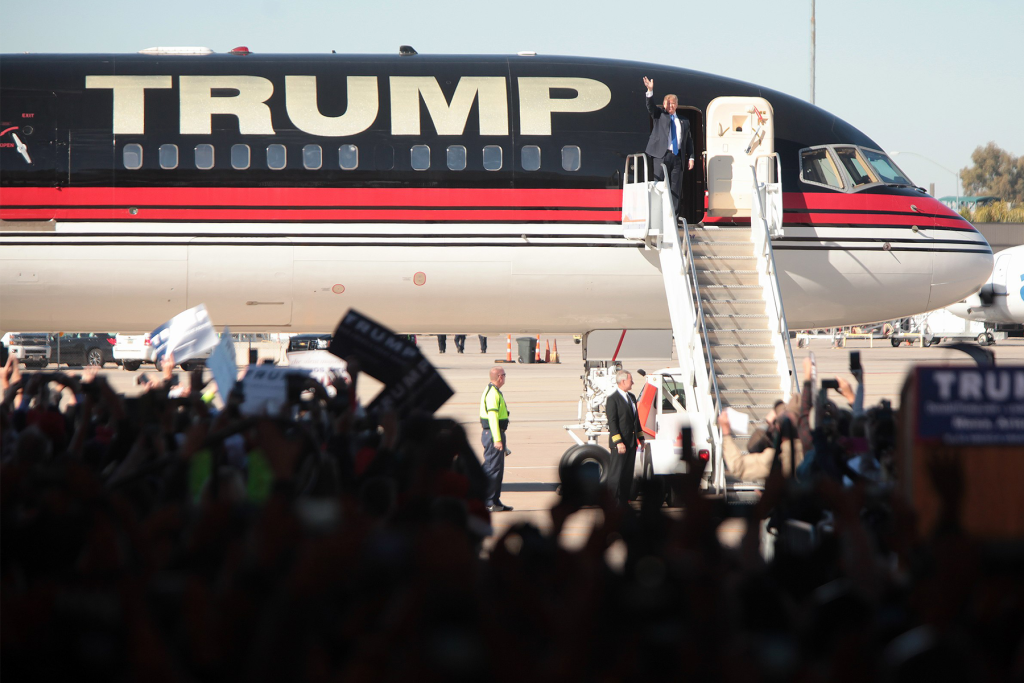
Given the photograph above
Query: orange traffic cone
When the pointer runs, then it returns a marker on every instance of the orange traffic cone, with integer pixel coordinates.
(554, 355)
(547, 350)
(536, 358)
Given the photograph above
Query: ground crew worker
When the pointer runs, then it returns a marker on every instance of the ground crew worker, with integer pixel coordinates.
(494, 420)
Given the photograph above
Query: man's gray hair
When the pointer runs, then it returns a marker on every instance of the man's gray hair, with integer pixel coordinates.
(621, 375)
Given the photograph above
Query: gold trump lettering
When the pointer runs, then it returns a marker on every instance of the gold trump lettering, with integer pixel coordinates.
(303, 110)
(249, 105)
(536, 104)
(449, 118)
(129, 99)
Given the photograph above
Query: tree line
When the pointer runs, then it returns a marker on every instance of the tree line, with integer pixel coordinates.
(995, 173)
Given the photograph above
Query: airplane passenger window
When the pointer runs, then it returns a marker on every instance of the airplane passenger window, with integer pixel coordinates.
(277, 157)
(858, 169)
(530, 157)
(492, 158)
(571, 158)
(885, 167)
(817, 166)
(240, 157)
(419, 156)
(204, 157)
(312, 157)
(168, 156)
(132, 156)
(457, 157)
(348, 157)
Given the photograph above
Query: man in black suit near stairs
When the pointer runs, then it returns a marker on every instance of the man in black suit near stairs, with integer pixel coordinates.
(624, 436)
(670, 142)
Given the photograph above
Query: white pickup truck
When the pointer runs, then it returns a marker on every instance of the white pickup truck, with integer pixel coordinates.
(32, 349)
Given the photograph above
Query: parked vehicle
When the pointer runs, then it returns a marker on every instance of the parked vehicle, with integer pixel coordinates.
(32, 349)
(662, 409)
(132, 350)
(75, 348)
(309, 342)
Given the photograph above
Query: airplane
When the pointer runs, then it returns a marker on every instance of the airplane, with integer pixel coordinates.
(1001, 299)
(436, 193)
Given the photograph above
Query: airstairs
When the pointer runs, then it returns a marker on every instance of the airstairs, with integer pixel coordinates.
(724, 301)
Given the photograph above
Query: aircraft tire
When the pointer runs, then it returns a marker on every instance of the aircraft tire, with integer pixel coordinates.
(577, 456)
(982, 339)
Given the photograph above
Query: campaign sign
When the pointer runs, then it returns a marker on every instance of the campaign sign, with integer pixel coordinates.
(322, 366)
(382, 354)
(410, 381)
(186, 335)
(970, 405)
(265, 388)
(223, 366)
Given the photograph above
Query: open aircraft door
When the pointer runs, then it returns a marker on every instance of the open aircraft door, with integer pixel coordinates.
(739, 129)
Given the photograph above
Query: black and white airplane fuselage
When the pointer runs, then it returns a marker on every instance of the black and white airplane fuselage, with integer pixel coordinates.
(477, 193)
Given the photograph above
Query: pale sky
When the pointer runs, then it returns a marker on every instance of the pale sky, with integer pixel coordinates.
(931, 77)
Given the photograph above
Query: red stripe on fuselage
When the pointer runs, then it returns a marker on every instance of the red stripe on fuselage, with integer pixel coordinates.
(306, 215)
(863, 201)
(286, 197)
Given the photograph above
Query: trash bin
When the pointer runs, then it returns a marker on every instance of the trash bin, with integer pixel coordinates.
(527, 349)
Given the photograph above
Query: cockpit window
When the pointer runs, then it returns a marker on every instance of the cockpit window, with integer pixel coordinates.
(856, 167)
(885, 168)
(818, 166)
(848, 168)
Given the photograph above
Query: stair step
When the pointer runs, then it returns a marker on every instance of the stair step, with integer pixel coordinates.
(743, 352)
(746, 278)
(769, 382)
(750, 397)
(743, 366)
(736, 322)
(734, 336)
(741, 248)
(716, 307)
(737, 234)
(732, 292)
(736, 263)
(752, 410)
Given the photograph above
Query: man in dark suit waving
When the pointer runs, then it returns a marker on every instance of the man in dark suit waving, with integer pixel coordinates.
(670, 141)
(624, 436)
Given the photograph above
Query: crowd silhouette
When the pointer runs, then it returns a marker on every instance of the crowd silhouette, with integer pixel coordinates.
(157, 538)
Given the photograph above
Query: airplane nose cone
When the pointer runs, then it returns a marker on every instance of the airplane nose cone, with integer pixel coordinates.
(960, 271)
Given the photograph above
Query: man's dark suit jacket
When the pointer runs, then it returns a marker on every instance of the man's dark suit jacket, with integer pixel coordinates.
(658, 143)
(623, 424)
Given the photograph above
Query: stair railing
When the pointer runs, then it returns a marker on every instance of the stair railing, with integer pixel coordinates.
(766, 222)
(697, 344)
